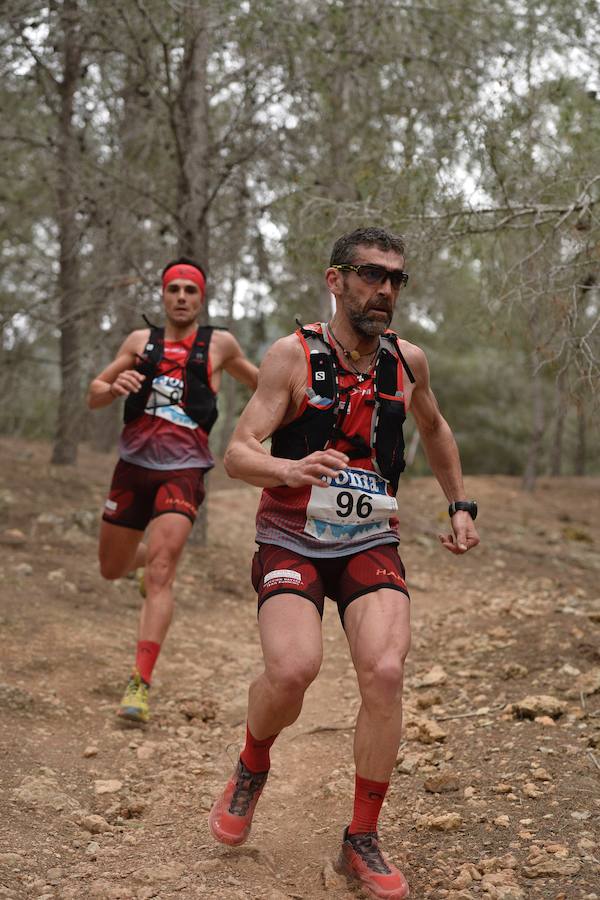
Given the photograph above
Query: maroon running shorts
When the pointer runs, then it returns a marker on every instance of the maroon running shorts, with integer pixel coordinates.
(138, 494)
(276, 570)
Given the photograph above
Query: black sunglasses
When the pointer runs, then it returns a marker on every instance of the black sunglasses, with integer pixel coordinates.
(372, 274)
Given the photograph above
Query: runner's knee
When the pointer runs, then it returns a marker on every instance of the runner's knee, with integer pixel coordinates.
(381, 681)
(293, 677)
(160, 568)
(112, 570)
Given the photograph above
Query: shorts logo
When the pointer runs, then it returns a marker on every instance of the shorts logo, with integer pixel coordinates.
(283, 575)
(389, 574)
(110, 505)
(179, 501)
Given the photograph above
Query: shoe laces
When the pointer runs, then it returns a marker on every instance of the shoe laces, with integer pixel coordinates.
(367, 847)
(246, 786)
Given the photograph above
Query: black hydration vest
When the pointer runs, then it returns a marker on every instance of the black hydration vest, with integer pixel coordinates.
(321, 423)
(198, 401)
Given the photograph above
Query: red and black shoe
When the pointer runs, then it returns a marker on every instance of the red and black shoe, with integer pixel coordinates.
(362, 861)
(230, 819)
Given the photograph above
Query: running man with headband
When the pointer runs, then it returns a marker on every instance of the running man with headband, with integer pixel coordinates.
(169, 378)
(333, 398)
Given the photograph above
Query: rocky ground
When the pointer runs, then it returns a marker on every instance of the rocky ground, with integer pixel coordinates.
(496, 793)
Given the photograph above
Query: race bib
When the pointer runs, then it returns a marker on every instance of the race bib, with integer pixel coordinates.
(164, 401)
(355, 504)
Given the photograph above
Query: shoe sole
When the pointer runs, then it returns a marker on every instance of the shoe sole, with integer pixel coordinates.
(342, 868)
(222, 836)
(131, 714)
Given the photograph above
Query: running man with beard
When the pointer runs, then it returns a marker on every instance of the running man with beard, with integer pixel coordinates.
(169, 378)
(333, 397)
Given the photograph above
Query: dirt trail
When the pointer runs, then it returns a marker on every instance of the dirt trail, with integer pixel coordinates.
(485, 803)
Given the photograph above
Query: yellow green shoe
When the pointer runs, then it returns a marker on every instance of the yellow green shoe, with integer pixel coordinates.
(141, 582)
(134, 705)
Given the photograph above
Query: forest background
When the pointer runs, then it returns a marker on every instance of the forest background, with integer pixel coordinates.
(249, 135)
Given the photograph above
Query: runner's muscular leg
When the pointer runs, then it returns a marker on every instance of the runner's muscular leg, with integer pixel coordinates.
(166, 539)
(290, 634)
(377, 626)
(120, 550)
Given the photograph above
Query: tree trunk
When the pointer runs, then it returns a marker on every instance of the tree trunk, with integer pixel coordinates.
(581, 446)
(194, 173)
(556, 451)
(193, 133)
(537, 427)
(70, 407)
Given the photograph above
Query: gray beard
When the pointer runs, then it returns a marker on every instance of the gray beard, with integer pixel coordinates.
(365, 326)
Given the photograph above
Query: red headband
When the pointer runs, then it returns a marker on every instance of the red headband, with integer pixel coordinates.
(190, 273)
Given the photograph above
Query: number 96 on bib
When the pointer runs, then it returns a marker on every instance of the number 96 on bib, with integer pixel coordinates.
(355, 504)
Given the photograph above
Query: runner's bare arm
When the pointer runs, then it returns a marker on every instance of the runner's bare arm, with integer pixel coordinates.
(246, 458)
(238, 366)
(119, 378)
(441, 451)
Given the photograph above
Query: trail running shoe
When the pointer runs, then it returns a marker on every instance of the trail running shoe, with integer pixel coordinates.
(134, 705)
(362, 861)
(141, 582)
(230, 819)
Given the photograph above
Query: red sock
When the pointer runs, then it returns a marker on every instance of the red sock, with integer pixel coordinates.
(255, 754)
(145, 658)
(368, 799)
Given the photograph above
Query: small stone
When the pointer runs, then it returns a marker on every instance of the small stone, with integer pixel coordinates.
(502, 821)
(95, 824)
(426, 731)
(428, 698)
(530, 790)
(513, 670)
(54, 875)
(545, 721)
(502, 788)
(90, 751)
(444, 822)
(469, 793)
(435, 677)
(56, 575)
(541, 775)
(540, 705)
(12, 537)
(110, 786)
(92, 849)
(581, 815)
(540, 865)
(586, 844)
(24, 569)
(441, 783)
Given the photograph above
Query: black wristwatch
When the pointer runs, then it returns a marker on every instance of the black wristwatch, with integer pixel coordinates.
(463, 505)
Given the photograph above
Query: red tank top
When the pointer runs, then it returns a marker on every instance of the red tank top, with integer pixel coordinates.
(359, 511)
(165, 437)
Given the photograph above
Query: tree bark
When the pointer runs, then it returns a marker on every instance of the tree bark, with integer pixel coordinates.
(581, 446)
(556, 452)
(70, 407)
(192, 136)
(537, 426)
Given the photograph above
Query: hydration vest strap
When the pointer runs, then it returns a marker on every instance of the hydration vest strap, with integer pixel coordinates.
(322, 390)
(393, 338)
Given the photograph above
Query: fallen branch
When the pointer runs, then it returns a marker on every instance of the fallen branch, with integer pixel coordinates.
(594, 760)
(471, 715)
